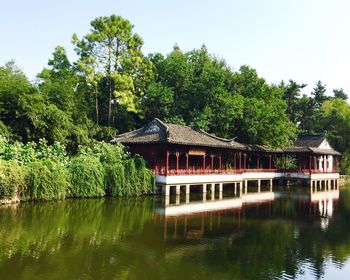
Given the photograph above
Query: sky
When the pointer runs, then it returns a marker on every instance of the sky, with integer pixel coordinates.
(303, 40)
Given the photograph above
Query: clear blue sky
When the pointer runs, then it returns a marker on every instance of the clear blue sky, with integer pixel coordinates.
(305, 40)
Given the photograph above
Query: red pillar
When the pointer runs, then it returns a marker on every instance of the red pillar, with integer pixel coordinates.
(258, 162)
(212, 163)
(240, 161)
(220, 164)
(245, 161)
(186, 163)
(154, 163)
(167, 162)
(310, 163)
(177, 154)
(234, 161)
(204, 162)
(270, 162)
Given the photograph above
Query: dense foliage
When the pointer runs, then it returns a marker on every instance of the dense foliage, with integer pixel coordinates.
(12, 179)
(44, 172)
(87, 177)
(113, 87)
(46, 180)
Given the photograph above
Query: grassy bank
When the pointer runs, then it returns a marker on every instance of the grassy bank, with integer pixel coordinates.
(42, 172)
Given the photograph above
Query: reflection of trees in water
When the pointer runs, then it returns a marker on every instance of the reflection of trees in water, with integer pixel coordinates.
(284, 240)
(121, 239)
(78, 234)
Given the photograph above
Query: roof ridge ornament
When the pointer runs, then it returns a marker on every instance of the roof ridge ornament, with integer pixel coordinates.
(165, 126)
(153, 128)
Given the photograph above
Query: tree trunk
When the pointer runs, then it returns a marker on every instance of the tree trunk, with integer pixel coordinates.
(110, 83)
(110, 102)
(96, 104)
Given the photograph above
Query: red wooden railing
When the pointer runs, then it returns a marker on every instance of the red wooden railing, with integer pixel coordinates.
(201, 171)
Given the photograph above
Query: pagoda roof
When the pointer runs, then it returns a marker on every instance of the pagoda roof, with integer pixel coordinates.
(311, 143)
(309, 140)
(320, 151)
(159, 132)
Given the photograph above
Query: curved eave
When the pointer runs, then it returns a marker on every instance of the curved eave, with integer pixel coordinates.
(225, 146)
(324, 152)
(126, 142)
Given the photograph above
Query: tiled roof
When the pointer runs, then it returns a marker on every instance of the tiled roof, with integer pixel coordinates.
(324, 151)
(313, 141)
(295, 149)
(263, 148)
(159, 132)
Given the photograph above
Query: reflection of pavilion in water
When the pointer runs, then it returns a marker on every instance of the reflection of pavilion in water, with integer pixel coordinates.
(322, 204)
(218, 215)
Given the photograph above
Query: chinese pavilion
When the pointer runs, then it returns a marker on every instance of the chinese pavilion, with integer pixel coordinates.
(184, 156)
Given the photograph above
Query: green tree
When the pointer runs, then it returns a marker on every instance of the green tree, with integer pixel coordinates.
(196, 88)
(311, 119)
(158, 102)
(336, 115)
(59, 82)
(336, 121)
(306, 118)
(193, 88)
(340, 93)
(319, 94)
(14, 88)
(264, 115)
(115, 52)
(61, 86)
(291, 95)
(33, 112)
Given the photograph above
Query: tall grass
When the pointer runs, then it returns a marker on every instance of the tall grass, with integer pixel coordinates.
(115, 179)
(46, 180)
(130, 177)
(42, 172)
(145, 177)
(87, 177)
(12, 179)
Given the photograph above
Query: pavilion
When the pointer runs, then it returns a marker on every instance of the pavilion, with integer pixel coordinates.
(184, 156)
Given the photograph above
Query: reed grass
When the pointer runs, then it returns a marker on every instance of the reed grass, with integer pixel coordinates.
(12, 179)
(46, 180)
(87, 177)
(103, 170)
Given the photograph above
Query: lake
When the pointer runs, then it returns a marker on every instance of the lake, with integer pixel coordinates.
(291, 235)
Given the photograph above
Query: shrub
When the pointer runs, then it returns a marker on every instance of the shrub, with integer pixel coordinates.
(148, 181)
(115, 179)
(56, 151)
(87, 177)
(12, 179)
(51, 174)
(145, 176)
(107, 153)
(130, 185)
(26, 153)
(4, 130)
(47, 180)
(138, 179)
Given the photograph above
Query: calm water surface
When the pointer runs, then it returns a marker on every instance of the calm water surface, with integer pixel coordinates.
(294, 236)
